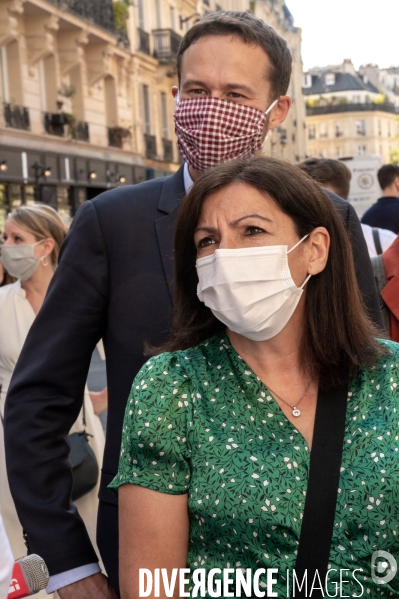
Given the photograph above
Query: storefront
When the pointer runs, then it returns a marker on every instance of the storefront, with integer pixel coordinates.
(60, 180)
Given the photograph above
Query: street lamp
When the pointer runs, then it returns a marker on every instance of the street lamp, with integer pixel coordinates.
(3, 166)
(40, 171)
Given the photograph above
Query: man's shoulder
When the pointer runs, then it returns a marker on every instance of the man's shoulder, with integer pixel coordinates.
(148, 191)
(142, 196)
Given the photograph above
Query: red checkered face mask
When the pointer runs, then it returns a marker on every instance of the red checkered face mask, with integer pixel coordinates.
(210, 130)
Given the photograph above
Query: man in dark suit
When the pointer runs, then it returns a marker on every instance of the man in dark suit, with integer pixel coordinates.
(115, 282)
(384, 214)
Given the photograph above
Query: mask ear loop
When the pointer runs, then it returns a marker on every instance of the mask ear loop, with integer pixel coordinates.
(293, 248)
(296, 245)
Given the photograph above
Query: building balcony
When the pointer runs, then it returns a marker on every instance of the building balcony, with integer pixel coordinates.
(340, 108)
(98, 12)
(166, 44)
(117, 135)
(150, 143)
(167, 150)
(144, 41)
(339, 133)
(16, 116)
(54, 123)
(80, 131)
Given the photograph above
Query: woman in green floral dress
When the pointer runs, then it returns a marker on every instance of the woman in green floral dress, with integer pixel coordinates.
(218, 428)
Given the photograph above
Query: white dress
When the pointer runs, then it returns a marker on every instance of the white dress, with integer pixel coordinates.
(16, 318)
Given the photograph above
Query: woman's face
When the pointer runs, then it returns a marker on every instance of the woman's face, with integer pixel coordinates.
(238, 216)
(16, 235)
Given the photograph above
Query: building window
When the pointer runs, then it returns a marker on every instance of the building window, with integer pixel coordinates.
(140, 14)
(330, 79)
(361, 127)
(338, 130)
(338, 151)
(323, 131)
(312, 132)
(158, 14)
(389, 129)
(164, 115)
(379, 128)
(361, 150)
(356, 99)
(146, 110)
(172, 13)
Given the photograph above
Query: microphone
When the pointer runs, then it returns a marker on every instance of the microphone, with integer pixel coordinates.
(29, 576)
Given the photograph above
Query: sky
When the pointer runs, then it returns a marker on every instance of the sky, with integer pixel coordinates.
(365, 31)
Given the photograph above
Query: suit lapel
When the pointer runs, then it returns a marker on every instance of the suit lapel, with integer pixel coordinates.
(172, 194)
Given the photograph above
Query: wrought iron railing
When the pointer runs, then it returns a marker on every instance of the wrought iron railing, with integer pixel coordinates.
(116, 136)
(16, 116)
(54, 123)
(99, 12)
(167, 150)
(166, 44)
(81, 131)
(144, 41)
(150, 146)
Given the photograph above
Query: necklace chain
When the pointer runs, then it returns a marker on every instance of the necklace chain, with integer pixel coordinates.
(294, 408)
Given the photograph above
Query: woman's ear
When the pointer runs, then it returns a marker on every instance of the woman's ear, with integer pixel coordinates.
(46, 246)
(319, 244)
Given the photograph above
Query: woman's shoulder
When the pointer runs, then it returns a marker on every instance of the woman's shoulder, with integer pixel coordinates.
(181, 363)
(386, 366)
(9, 291)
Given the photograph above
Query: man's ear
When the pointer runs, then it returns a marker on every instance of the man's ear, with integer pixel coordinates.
(279, 112)
(175, 91)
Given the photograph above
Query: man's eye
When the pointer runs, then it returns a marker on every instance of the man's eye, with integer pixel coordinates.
(236, 95)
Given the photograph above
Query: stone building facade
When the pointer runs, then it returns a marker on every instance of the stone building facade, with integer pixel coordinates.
(86, 101)
(348, 114)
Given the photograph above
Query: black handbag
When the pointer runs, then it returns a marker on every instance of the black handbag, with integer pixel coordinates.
(84, 464)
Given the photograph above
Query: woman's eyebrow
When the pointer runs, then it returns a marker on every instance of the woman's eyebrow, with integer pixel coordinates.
(235, 222)
(207, 229)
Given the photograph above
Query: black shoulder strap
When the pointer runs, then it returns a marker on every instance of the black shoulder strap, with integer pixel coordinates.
(321, 496)
(377, 241)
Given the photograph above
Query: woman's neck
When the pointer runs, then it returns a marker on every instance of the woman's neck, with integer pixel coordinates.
(276, 360)
(36, 286)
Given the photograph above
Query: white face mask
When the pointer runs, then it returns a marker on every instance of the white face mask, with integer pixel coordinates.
(250, 290)
(20, 260)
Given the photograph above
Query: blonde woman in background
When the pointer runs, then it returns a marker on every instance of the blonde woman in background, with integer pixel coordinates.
(32, 240)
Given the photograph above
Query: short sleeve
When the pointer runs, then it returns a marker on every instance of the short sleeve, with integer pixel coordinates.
(154, 437)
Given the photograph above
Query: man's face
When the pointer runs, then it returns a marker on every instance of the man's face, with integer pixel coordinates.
(225, 67)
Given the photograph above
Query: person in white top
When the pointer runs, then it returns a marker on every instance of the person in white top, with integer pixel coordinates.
(335, 176)
(386, 238)
(6, 562)
(33, 236)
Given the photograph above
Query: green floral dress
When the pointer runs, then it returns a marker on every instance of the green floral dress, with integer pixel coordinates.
(201, 422)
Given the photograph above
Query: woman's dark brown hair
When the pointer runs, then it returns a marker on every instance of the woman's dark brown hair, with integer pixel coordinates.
(337, 333)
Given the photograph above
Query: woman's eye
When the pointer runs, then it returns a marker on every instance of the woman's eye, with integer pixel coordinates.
(205, 242)
(254, 231)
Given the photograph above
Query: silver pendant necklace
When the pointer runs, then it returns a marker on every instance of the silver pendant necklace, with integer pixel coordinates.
(295, 411)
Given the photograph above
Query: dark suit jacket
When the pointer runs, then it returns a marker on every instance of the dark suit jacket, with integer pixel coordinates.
(114, 281)
(383, 214)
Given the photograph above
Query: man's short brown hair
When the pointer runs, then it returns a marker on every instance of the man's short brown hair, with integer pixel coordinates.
(328, 171)
(252, 31)
(387, 175)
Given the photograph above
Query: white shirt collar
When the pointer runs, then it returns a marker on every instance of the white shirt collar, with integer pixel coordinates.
(188, 182)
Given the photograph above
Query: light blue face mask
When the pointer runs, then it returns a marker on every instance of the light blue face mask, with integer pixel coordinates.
(20, 260)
